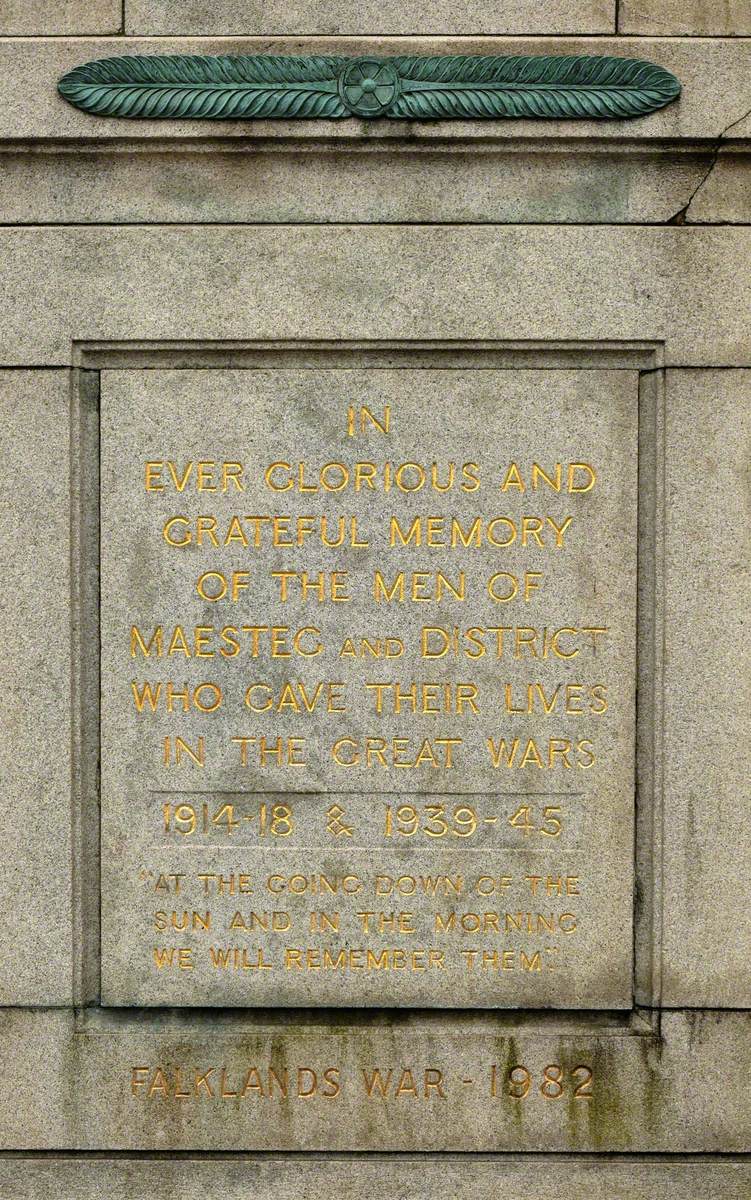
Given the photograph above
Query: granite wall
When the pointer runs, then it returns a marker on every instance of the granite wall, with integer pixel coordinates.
(613, 255)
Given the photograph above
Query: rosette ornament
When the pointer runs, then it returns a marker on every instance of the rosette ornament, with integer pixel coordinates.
(442, 87)
(369, 86)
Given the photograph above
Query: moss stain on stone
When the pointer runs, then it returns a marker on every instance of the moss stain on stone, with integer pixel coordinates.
(653, 1100)
(607, 1124)
(513, 1058)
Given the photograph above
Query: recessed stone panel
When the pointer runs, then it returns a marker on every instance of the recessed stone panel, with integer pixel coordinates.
(368, 687)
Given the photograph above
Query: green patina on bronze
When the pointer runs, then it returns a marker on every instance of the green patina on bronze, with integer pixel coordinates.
(478, 87)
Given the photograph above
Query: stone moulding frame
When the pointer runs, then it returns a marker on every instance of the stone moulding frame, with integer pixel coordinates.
(644, 359)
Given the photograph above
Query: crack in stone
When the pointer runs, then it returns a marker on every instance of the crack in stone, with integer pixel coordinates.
(733, 124)
(681, 217)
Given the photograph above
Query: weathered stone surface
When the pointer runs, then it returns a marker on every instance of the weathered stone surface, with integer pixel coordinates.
(35, 755)
(685, 286)
(271, 17)
(599, 1178)
(713, 73)
(667, 1084)
(671, 18)
(564, 182)
(725, 194)
(740, 129)
(83, 1082)
(492, 874)
(60, 17)
(707, 890)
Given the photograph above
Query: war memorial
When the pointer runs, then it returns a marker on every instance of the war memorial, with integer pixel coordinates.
(376, 543)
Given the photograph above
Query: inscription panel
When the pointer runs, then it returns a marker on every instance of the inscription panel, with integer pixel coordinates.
(368, 643)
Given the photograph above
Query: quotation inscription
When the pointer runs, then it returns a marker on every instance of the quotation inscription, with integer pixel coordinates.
(367, 689)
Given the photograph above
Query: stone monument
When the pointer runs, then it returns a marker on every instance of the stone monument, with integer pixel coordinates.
(376, 423)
